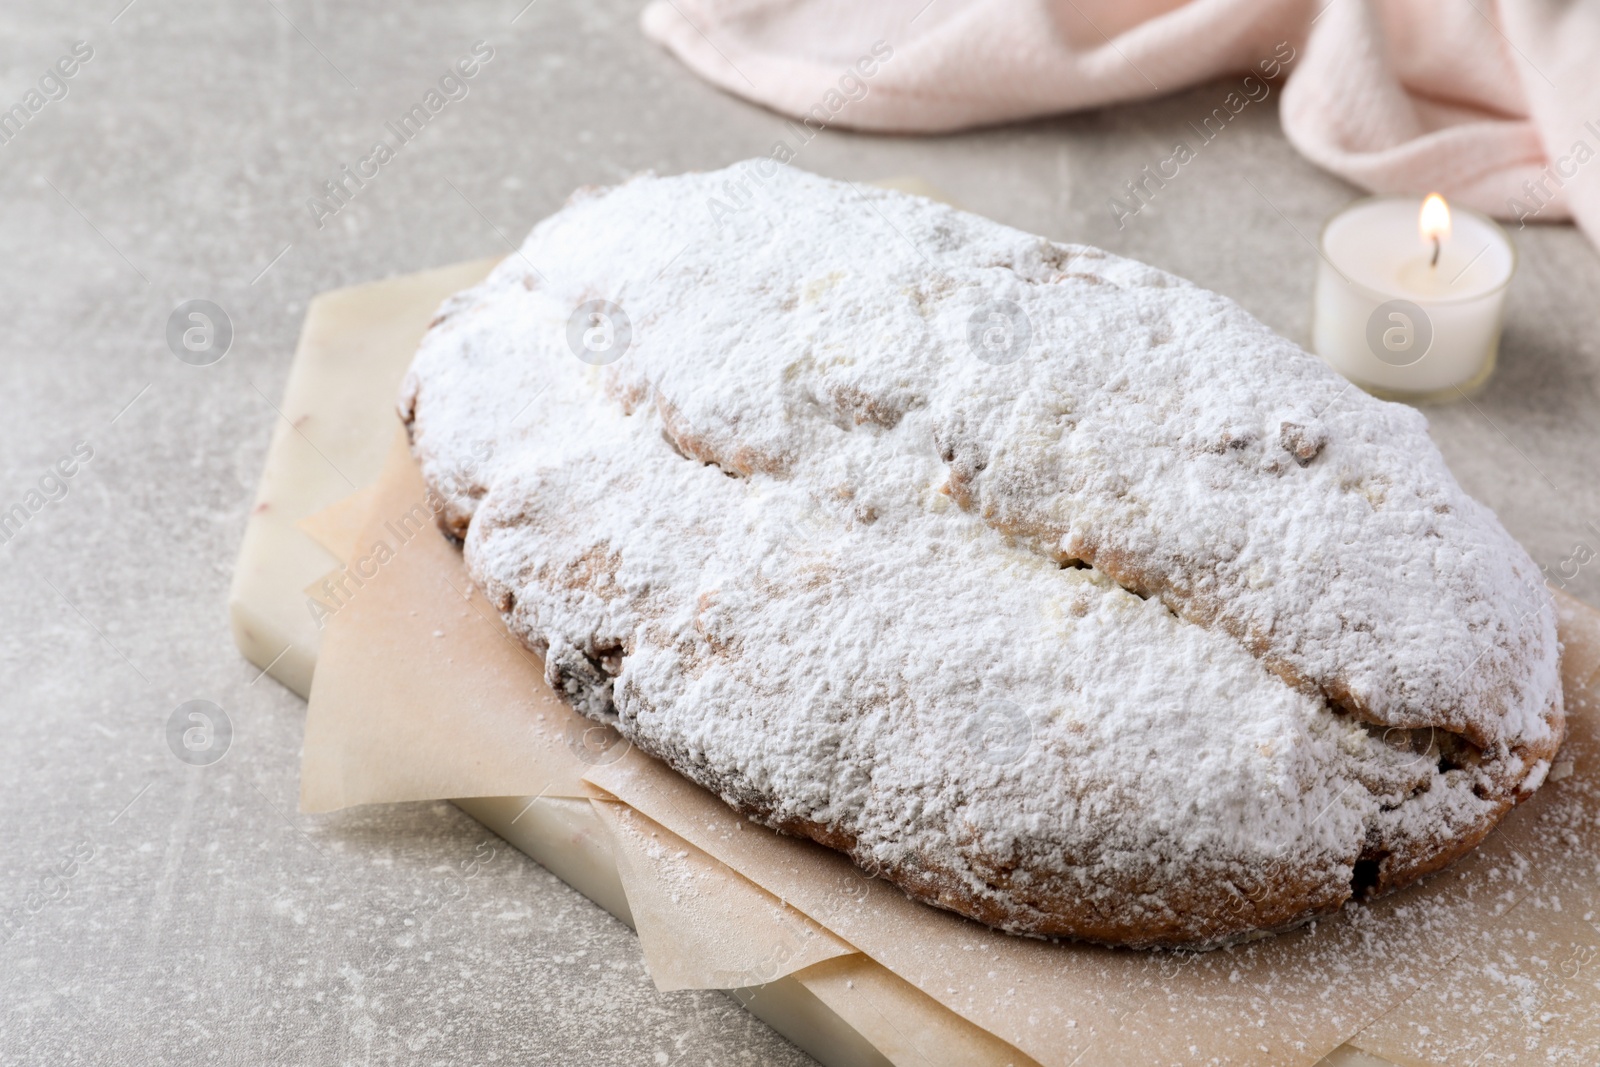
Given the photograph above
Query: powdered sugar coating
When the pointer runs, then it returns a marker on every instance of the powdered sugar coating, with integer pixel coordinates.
(804, 544)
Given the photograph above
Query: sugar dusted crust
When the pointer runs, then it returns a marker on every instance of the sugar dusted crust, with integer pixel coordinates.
(1156, 634)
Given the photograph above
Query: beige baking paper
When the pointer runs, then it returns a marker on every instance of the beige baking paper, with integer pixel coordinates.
(701, 926)
(1283, 1000)
(330, 437)
(905, 1025)
(338, 528)
(419, 692)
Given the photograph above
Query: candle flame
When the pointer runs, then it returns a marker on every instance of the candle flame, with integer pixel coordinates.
(1434, 222)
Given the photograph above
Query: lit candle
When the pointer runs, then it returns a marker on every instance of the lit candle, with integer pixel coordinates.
(1409, 299)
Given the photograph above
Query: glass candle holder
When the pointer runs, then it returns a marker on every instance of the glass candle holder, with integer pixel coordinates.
(1409, 304)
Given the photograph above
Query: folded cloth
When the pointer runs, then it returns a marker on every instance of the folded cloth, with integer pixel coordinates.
(1494, 103)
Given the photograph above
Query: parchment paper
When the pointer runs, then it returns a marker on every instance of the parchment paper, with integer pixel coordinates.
(420, 693)
(903, 1023)
(695, 917)
(703, 926)
(339, 528)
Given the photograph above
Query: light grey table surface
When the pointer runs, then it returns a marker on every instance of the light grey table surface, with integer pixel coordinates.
(206, 920)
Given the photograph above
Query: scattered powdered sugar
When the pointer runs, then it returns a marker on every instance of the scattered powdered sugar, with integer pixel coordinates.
(1103, 636)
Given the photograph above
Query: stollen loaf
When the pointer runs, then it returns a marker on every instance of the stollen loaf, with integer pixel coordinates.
(1053, 588)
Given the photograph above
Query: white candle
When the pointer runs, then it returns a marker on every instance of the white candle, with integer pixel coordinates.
(1410, 296)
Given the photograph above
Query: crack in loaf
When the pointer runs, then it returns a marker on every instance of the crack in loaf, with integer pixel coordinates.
(1150, 632)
